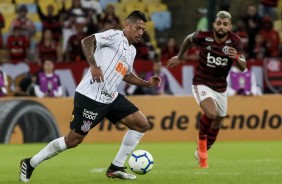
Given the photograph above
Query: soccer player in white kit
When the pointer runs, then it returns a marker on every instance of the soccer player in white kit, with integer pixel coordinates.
(110, 55)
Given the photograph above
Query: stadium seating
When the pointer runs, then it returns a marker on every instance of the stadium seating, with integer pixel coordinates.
(6, 8)
(104, 3)
(6, 1)
(129, 1)
(151, 1)
(38, 26)
(120, 10)
(278, 27)
(34, 17)
(157, 8)
(31, 8)
(24, 1)
(162, 20)
(135, 6)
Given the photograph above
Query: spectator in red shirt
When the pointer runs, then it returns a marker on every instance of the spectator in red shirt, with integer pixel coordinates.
(74, 50)
(268, 8)
(260, 47)
(77, 9)
(110, 16)
(48, 48)
(253, 24)
(240, 30)
(27, 26)
(2, 25)
(271, 36)
(51, 21)
(17, 46)
(170, 49)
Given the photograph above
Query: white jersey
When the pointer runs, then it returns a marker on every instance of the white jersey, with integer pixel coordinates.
(115, 57)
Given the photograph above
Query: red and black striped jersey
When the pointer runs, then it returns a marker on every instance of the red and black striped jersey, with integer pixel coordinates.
(214, 64)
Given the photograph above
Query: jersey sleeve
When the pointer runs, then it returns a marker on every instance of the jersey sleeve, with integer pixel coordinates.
(108, 37)
(239, 46)
(195, 37)
(132, 60)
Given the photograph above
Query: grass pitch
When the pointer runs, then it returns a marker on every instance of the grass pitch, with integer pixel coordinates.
(230, 163)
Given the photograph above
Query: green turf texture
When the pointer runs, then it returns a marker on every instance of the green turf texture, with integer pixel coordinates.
(229, 163)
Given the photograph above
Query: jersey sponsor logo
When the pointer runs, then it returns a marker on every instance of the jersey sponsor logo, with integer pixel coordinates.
(209, 39)
(121, 68)
(86, 126)
(208, 47)
(213, 61)
(89, 114)
(104, 93)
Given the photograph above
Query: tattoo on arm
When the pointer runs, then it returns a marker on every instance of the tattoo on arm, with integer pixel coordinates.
(185, 45)
(88, 47)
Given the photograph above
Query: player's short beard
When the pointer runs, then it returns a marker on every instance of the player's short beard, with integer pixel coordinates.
(220, 35)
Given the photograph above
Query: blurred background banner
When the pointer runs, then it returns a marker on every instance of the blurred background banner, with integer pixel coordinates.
(172, 119)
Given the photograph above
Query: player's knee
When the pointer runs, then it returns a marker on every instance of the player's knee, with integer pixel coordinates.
(212, 115)
(143, 127)
(72, 143)
(216, 125)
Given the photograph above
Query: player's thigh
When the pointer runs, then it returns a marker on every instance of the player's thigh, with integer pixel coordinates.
(124, 111)
(136, 121)
(86, 114)
(209, 107)
(206, 100)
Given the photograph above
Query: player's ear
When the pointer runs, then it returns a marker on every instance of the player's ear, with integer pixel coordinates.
(213, 25)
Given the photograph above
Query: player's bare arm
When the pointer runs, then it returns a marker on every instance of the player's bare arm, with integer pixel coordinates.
(88, 47)
(133, 79)
(239, 58)
(188, 41)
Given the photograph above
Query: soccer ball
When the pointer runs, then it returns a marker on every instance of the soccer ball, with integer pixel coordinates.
(140, 162)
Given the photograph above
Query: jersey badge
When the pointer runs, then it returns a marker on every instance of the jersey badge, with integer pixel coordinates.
(86, 126)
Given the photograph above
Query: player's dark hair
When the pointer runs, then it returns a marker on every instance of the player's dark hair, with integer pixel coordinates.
(136, 14)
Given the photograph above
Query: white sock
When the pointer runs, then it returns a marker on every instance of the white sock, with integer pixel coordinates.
(52, 149)
(129, 142)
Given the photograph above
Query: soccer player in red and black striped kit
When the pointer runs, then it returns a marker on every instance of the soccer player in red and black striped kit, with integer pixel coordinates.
(219, 48)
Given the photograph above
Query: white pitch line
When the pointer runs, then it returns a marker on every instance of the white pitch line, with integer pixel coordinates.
(251, 161)
(97, 170)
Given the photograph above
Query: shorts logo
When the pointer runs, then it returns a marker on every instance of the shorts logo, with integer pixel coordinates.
(89, 114)
(86, 126)
(203, 93)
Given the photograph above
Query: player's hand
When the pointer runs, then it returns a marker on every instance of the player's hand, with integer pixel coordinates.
(232, 53)
(173, 62)
(154, 81)
(97, 74)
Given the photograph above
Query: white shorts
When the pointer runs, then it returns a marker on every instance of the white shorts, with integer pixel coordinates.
(201, 92)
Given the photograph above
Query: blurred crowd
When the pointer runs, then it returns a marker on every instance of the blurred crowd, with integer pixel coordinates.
(61, 31)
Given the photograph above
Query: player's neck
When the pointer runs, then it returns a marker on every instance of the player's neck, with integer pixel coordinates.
(220, 40)
(127, 37)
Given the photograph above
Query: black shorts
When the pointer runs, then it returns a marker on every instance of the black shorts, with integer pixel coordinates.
(87, 113)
